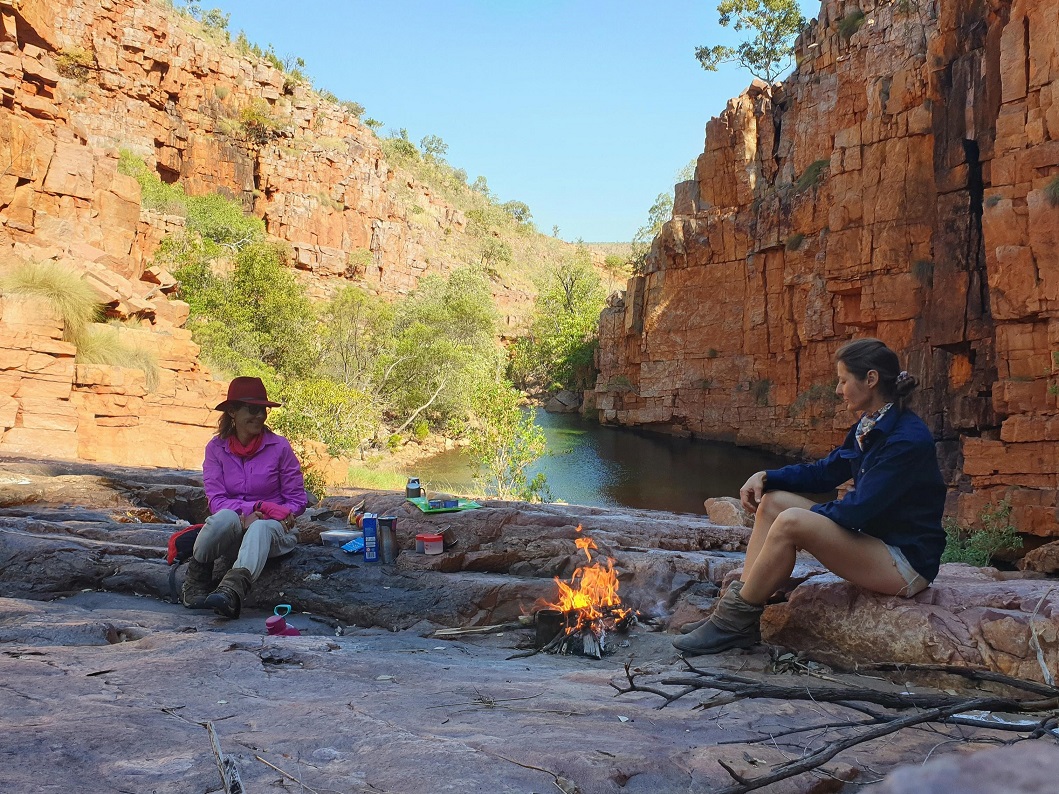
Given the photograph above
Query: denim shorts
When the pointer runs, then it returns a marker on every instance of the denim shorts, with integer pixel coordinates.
(915, 582)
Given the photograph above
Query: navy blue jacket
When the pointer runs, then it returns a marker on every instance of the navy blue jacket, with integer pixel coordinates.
(898, 493)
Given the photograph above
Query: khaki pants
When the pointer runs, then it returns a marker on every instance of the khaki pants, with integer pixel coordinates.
(223, 536)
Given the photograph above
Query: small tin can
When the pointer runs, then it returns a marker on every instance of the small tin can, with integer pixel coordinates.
(413, 489)
(371, 537)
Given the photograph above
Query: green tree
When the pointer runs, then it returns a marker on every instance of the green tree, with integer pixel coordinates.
(559, 350)
(318, 409)
(356, 332)
(660, 212)
(517, 210)
(258, 315)
(504, 441)
(444, 346)
(433, 147)
(774, 24)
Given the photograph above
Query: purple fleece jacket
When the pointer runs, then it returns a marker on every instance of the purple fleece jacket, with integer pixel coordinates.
(272, 475)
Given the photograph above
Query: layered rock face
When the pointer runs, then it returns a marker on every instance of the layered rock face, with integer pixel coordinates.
(896, 185)
(82, 80)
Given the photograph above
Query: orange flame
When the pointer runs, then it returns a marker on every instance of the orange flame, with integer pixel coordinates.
(591, 589)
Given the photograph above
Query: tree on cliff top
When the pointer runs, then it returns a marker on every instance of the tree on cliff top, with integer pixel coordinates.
(770, 52)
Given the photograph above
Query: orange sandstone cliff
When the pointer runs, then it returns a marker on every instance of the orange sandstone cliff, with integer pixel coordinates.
(902, 183)
(82, 79)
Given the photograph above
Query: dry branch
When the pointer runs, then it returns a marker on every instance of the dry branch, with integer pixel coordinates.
(930, 707)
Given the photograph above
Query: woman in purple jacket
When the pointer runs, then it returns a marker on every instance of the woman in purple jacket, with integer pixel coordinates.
(884, 534)
(255, 489)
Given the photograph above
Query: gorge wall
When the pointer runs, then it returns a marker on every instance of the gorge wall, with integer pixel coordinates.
(81, 80)
(902, 183)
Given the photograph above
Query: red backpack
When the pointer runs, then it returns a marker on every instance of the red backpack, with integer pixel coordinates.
(181, 545)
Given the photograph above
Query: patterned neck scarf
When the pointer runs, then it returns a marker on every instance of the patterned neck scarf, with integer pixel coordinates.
(867, 423)
(245, 450)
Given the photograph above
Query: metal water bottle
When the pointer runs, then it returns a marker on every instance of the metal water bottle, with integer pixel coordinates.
(387, 532)
(413, 489)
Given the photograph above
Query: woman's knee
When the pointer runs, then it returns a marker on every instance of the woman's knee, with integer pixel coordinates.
(794, 525)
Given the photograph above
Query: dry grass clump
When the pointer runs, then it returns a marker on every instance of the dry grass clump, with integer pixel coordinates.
(62, 288)
(102, 344)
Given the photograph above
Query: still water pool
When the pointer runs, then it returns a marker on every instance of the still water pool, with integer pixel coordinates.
(589, 464)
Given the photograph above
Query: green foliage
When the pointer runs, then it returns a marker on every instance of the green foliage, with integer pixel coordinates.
(774, 24)
(444, 348)
(560, 347)
(75, 63)
(372, 124)
(760, 390)
(222, 220)
(354, 108)
(660, 212)
(214, 217)
(63, 289)
(979, 546)
(851, 23)
(433, 147)
(1051, 192)
(258, 124)
(154, 193)
(504, 441)
(420, 430)
(259, 314)
(712, 353)
(399, 150)
(495, 252)
(315, 483)
(102, 344)
(363, 477)
(355, 334)
(794, 242)
(318, 409)
(359, 259)
(517, 210)
(812, 176)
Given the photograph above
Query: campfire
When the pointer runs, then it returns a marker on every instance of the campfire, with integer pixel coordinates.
(587, 612)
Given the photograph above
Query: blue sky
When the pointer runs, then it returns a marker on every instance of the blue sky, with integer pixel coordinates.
(584, 110)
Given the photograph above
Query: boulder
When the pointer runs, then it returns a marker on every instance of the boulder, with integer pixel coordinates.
(968, 616)
(565, 402)
(1025, 768)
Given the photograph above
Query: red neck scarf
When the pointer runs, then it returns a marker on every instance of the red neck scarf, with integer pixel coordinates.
(245, 450)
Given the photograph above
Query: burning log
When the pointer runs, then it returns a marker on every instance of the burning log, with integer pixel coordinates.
(587, 611)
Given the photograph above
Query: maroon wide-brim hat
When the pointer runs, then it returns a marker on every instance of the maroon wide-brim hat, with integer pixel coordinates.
(246, 390)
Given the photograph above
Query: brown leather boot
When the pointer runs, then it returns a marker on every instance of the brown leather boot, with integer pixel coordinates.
(733, 624)
(198, 582)
(687, 628)
(227, 599)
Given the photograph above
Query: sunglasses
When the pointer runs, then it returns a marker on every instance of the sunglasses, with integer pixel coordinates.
(253, 410)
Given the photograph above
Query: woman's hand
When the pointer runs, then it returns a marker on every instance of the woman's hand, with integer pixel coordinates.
(751, 492)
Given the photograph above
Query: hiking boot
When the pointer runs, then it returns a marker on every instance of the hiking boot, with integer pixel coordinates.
(687, 628)
(198, 582)
(227, 599)
(733, 624)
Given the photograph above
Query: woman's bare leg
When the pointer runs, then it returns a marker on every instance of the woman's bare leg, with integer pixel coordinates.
(858, 558)
(772, 504)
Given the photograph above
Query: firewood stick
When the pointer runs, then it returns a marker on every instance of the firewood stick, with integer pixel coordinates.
(441, 633)
(233, 784)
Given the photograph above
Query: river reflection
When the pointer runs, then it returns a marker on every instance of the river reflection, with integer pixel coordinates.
(608, 467)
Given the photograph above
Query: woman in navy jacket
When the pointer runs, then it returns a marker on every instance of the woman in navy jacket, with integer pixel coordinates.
(884, 535)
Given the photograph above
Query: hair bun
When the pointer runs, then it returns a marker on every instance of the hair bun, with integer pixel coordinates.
(905, 384)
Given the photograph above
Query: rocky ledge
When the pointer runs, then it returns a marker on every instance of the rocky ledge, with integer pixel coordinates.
(369, 699)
